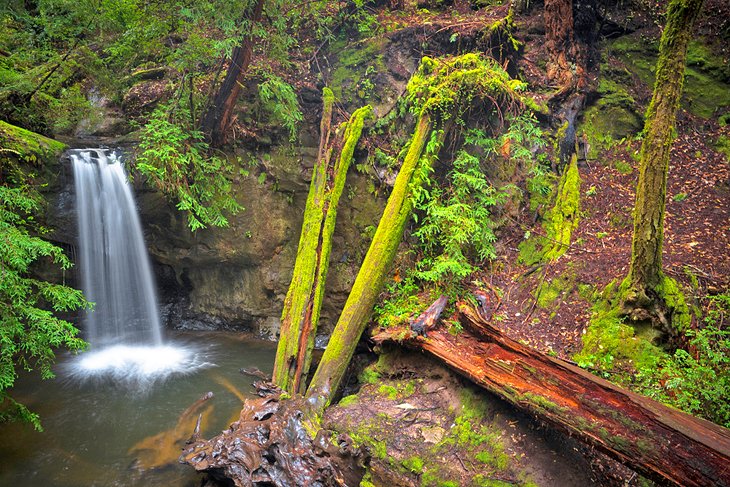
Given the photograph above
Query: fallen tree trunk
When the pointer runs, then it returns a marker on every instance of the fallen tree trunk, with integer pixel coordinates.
(660, 442)
(300, 316)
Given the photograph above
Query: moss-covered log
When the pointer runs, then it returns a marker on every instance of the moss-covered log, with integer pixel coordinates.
(439, 92)
(645, 273)
(303, 302)
(377, 262)
(660, 442)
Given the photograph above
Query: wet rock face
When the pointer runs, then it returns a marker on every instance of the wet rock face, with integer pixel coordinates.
(237, 277)
(234, 277)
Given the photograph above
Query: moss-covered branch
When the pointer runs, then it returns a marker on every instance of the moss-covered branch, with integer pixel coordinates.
(304, 299)
(377, 262)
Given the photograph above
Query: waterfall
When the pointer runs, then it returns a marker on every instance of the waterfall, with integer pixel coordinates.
(123, 328)
(114, 266)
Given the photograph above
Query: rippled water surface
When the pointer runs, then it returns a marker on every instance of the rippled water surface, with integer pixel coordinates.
(107, 419)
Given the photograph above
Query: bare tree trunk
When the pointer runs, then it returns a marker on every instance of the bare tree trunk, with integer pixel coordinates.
(300, 316)
(645, 272)
(219, 116)
(664, 444)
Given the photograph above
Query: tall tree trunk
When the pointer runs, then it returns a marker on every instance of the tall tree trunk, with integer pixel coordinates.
(219, 116)
(645, 272)
(300, 316)
(377, 262)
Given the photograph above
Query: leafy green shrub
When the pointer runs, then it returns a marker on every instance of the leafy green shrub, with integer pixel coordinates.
(280, 99)
(30, 331)
(457, 229)
(697, 381)
(176, 161)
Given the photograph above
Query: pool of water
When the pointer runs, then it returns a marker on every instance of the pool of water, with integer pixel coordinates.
(113, 430)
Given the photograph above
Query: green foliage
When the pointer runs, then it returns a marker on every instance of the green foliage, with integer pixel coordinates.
(176, 161)
(30, 330)
(280, 99)
(697, 381)
(457, 231)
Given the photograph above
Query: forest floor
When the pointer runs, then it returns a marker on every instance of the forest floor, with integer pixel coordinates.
(696, 239)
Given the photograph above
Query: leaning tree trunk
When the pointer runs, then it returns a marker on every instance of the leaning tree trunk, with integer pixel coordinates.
(303, 301)
(660, 442)
(645, 272)
(218, 118)
(377, 262)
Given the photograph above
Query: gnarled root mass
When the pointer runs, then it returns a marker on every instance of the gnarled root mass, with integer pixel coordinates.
(276, 441)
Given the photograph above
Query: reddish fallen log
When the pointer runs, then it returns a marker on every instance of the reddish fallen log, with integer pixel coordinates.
(660, 442)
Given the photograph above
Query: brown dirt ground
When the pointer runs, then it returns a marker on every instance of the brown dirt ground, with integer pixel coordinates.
(697, 238)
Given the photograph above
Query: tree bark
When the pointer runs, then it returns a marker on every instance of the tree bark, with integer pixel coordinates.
(377, 262)
(562, 66)
(218, 118)
(660, 442)
(303, 302)
(645, 272)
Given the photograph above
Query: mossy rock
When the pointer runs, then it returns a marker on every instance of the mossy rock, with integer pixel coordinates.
(357, 66)
(706, 90)
(28, 146)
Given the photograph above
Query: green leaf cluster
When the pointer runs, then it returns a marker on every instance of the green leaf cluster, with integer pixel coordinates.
(697, 380)
(30, 331)
(177, 162)
(457, 232)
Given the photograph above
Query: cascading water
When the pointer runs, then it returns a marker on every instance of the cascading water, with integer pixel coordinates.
(114, 265)
(123, 329)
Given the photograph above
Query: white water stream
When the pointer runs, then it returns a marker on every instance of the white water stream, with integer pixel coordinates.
(123, 329)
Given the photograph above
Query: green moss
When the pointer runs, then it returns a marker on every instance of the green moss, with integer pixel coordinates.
(497, 460)
(398, 390)
(355, 67)
(542, 402)
(613, 116)
(550, 290)
(707, 75)
(530, 250)
(481, 480)
(348, 400)
(413, 464)
(443, 88)
(610, 344)
(389, 391)
(368, 376)
(367, 480)
(560, 221)
(723, 145)
(563, 218)
(669, 290)
(27, 146)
